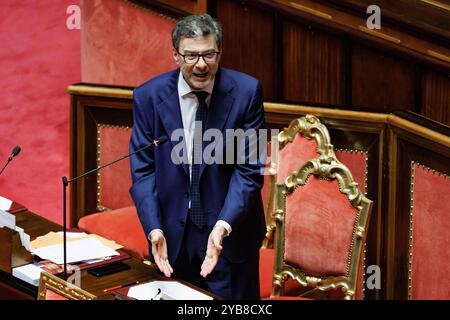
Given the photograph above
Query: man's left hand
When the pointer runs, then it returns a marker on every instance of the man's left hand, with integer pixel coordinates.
(213, 250)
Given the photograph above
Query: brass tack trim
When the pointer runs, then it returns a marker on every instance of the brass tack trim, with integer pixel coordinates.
(101, 207)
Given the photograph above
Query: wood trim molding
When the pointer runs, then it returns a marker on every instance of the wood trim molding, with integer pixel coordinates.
(419, 130)
(100, 91)
(437, 4)
(325, 112)
(314, 12)
(438, 55)
(380, 35)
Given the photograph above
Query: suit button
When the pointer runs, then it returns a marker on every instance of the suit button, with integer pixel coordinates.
(187, 194)
(182, 223)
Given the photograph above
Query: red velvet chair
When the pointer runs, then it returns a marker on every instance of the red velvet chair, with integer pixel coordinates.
(306, 138)
(321, 219)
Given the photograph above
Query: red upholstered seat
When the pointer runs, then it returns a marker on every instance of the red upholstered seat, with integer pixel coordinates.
(266, 263)
(51, 295)
(321, 224)
(121, 225)
(113, 181)
(306, 138)
(429, 253)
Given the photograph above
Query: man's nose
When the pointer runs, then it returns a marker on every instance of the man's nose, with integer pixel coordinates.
(201, 62)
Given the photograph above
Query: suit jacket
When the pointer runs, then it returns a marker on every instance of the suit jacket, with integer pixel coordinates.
(229, 192)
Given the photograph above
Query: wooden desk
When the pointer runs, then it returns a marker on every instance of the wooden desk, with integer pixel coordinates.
(34, 225)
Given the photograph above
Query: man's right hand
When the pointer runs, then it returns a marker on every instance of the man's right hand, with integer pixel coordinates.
(159, 251)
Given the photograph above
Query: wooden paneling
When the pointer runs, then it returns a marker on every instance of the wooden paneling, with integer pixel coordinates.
(320, 52)
(248, 42)
(381, 81)
(436, 96)
(313, 65)
(426, 17)
(406, 144)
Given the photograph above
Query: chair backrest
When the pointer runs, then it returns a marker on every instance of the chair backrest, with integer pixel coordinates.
(53, 288)
(304, 139)
(321, 219)
(114, 181)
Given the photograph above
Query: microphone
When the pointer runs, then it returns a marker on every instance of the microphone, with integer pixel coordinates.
(155, 143)
(14, 153)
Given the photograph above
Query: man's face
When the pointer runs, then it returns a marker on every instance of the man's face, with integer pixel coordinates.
(200, 74)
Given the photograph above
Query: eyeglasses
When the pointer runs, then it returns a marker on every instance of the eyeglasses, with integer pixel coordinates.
(193, 58)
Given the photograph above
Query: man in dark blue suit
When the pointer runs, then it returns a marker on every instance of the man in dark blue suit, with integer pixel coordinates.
(202, 211)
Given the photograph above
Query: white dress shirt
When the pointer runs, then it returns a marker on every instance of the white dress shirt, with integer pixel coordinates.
(188, 108)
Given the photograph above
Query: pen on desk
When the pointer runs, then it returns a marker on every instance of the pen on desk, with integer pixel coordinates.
(121, 286)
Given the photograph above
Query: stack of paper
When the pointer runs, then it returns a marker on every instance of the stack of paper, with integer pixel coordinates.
(77, 250)
(165, 290)
(53, 238)
(28, 273)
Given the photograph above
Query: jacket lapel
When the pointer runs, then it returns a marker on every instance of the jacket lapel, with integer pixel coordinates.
(221, 103)
(170, 115)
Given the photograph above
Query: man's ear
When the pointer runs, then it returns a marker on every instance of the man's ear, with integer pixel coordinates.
(175, 56)
(220, 55)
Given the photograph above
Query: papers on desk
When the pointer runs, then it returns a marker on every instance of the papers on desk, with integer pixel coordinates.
(28, 273)
(53, 238)
(78, 250)
(170, 290)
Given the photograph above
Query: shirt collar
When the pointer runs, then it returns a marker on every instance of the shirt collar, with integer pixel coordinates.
(184, 88)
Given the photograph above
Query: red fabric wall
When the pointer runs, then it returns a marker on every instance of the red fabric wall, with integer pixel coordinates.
(123, 44)
(39, 58)
(120, 44)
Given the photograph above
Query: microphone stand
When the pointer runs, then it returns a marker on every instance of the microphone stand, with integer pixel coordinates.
(14, 153)
(66, 182)
(7, 162)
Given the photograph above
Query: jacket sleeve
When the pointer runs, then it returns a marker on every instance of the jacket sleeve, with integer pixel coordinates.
(246, 180)
(143, 189)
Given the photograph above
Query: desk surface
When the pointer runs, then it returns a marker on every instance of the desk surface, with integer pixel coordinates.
(35, 226)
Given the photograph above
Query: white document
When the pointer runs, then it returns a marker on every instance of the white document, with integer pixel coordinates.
(5, 204)
(73, 235)
(28, 273)
(7, 220)
(170, 290)
(79, 250)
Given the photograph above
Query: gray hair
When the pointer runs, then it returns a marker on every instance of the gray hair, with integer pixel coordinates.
(194, 26)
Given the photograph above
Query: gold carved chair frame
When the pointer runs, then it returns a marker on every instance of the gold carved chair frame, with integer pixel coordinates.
(50, 282)
(327, 168)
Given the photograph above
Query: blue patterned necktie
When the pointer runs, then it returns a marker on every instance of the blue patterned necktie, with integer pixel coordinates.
(197, 215)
